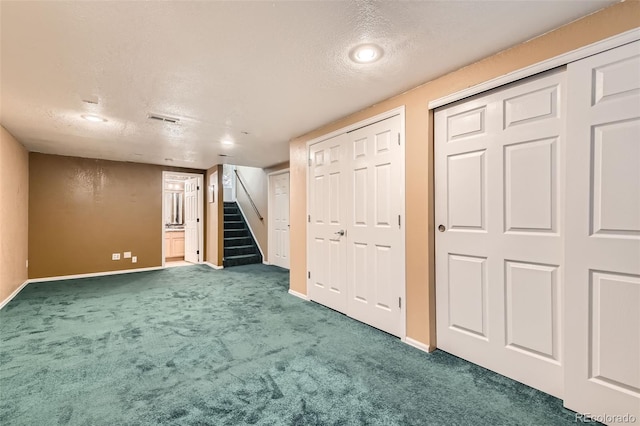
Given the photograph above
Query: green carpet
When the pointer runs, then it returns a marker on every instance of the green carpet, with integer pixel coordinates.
(195, 346)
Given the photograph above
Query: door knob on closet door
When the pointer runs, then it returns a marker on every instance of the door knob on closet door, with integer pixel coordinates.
(340, 232)
(442, 228)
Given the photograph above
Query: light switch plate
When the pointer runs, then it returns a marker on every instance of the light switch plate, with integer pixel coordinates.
(127, 255)
(115, 256)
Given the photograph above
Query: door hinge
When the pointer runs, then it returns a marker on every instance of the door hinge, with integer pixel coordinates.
(398, 138)
(399, 222)
(309, 274)
(309, 219)
(309, 162)
(197, 251)
(198, 220)
(399, 302)
(197, 188)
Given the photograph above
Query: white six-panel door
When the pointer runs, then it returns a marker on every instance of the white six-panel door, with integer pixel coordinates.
(356, 249)
(603, 236)
(499, 240)
(328, 219)
(191, 225)
(375, 250)
(279, 220)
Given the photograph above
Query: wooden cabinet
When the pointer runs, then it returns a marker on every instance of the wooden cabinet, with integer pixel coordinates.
(173, 244)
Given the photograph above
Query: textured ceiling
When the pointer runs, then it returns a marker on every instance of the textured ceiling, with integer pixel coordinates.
(259, 73)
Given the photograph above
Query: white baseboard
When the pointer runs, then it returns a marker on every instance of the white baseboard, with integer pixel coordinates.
(14, 294)
(264, 262)
(300, 295)
(94, 274)
(211, 265)
(418, 345)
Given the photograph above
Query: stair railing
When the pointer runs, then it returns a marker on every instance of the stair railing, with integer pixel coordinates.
(248, 195)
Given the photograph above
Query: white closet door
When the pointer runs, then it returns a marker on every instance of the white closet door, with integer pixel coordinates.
(603, 236)
(327, 200)
(279, 244)
(499, 249)
(191, 225)
(375, 247)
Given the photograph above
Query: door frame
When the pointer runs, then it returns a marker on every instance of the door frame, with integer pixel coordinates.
(201, 200)
(399, 111)
(270, 222)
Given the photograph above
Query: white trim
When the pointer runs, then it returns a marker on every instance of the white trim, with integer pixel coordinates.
(264, 262)
(300, 295)
(400, 111)
(201, 201)
(351, 127)
(416, 344)
(211, 265)
(270, 210)
(14, 294)
(563, 59)
(94, 274)
(250, 230)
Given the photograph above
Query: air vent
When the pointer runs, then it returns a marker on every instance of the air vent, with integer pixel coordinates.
(164, 118)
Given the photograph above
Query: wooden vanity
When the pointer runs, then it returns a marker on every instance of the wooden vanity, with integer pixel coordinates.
(174, 244)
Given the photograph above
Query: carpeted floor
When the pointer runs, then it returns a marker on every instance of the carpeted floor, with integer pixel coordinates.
(195, 346)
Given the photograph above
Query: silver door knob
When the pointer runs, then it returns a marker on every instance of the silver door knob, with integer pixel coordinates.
(340, 232)
(442, 228)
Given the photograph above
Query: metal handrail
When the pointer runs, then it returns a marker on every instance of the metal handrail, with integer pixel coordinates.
(248, 195)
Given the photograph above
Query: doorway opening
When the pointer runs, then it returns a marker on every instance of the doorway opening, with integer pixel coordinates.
(182, 226)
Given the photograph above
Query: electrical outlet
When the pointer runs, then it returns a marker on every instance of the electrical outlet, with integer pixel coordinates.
(127, 255)
(134, 259)
(115, 256)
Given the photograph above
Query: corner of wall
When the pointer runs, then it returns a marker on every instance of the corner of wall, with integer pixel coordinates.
(14, 216)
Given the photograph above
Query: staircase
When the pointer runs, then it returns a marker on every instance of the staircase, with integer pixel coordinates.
(239, 246)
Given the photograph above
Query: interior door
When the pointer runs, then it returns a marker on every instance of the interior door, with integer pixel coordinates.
(327, 218)
(279, 244)
(499, 241)
(602, 372)
(191, 220)
(375, 247)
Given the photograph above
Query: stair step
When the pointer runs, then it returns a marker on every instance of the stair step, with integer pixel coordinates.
(237, 241)
(231, 233)
(235, 217)
(243, 259)
(240, 250)
(235, 224)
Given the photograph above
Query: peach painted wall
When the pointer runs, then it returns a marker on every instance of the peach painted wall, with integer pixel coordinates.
(419, 153)
(14, 214)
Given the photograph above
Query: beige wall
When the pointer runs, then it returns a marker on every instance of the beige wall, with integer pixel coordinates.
(419, 153)
(215, 227)
(14, 213)
(83, 210)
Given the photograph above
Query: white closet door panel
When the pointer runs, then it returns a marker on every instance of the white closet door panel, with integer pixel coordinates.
(375, 250)
(602, 374)
(498, 259)
(328, 260)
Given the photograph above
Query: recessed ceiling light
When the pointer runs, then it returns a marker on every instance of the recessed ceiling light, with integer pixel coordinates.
(93, 118)
(227, 142)
(366, 53)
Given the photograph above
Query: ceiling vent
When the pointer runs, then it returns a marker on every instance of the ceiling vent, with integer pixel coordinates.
(164, 118)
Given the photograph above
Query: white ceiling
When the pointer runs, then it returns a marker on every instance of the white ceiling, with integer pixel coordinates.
(275, 70)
